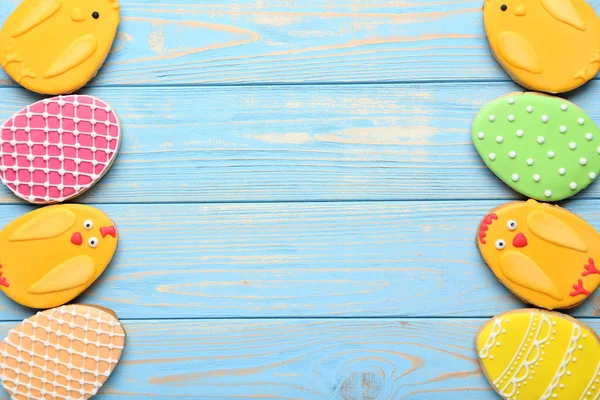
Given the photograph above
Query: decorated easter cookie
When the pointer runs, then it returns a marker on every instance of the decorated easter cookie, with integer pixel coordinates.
(534, 354)
(544, 254)
(541, 146)
(57, 46)
(51, 255)
(62, 353)
(56, 149)
(545, 45)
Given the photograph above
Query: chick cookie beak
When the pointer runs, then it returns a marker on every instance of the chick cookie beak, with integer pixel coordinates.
(109, 230)
(520, 240)
(77, 15)
(520, 10)
(77, 239)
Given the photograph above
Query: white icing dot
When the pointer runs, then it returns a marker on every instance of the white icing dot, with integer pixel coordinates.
(562, 129)
(569, 373)
(573, 185)
(27, 129)
(46, 184)
(550, 154)
(61, 171)
(46, 129)
(46, 157)
(30, 157)
(481, 135)
(45, 114)
(61, 158)
(60, 131)
(60, 186)
(562, 171)
(511, 118)
(564, 107)
(61, 102)
(107, 123)
(548, 193)
(94, 134)
(94, 149)
(561, 386)
(491, 357)
(537, 177)
(515, 177)
(574, 359)
(75, 102)
(77, 145)
(46, 101)
(108, 109)
(511, 100)
(544, 118)
(93, 121)
(589, 136)
(598, 149)
(540, 139)
(519, 134)
(580, 121)
(555, 395)
(499, 139)
(582, 161)
(59, 145)
(76, 132)
(530, 161)
(492, 156)
(14, 143)
(572, 145)
(13, 128)
(492, 118)
(512, 154)
(529, 109)
(580, 347)
(585, 335)
(59, 116)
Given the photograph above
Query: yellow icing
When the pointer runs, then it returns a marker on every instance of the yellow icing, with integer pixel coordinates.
(523, 271)
(74, 272)
(46, 225)
(49, 267)
(43, 39)
(555, 239)
(553, 230)
(544, 45)
(534, 354)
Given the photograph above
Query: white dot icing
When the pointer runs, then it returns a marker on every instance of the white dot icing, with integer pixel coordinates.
(540, 139)
(592, 175)
(580, 121)
(492, 118)
(529, 109)
(562, 129)
(530, 161)
(492, 156)
(544, 118)
(537, 177)
(550, 154)
(573, 185)
(564, 107)
(515, 177)
(512, 154)
(511, 118)
(548, 193)
(511, 100)
(572, 145)
(589, 136)
(520, 133)
(499, 139)
(481, 135)
(582, 161)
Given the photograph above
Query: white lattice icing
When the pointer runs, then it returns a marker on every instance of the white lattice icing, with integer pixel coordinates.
(489, 343)
(64, 353)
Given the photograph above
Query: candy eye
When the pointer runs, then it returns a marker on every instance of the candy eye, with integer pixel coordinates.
(503, 7)
(500, 244)
(511, 225)
(88, 224)
(95, 15)
(93, 242)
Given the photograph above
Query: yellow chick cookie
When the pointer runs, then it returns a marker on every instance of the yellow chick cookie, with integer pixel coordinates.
(51, 255)
(57, 46)
(535, 354)
(545, 45)
(544, 254)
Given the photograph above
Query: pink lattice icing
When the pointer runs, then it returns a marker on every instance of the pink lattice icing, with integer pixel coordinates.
(57, 148)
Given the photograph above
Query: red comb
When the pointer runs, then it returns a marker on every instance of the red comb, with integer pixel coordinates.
(484, 226)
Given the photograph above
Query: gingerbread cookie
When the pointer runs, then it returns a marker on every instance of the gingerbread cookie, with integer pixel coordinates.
(62, 353)
(55, 149)
(51, 255)
(541, 146)
(57, 46)
(535, 354)
(542, 253)
(545, 45)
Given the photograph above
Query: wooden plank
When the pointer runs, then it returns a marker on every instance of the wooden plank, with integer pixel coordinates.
(299, 143)
(354, 359)
(245, 41)
(300, 259)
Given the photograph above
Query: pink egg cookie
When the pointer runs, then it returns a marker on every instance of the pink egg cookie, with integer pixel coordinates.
(57, 148)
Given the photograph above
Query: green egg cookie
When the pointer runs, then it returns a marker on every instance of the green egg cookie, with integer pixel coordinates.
(543, 147)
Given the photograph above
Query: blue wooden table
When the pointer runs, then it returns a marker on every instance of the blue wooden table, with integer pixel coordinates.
(297, 199)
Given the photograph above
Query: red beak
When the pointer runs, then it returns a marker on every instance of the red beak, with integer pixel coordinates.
(76, 239)
(520, 240)
(110, 230)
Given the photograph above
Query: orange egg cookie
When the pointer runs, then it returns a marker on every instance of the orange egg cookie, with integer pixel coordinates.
(51, 255)
(544, 254)
(545, 45)
(57, 46)
(534, 354)
(62, 353)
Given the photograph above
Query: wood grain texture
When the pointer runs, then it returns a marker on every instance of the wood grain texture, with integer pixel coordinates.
(355, 359)
(272, 41)
(299, 143)
(300, 260)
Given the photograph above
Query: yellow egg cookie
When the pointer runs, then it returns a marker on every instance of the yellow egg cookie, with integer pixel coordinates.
(534, 354)
(545, 45)
(51, 255)
(57, 46)
(543, 253)
(62, 353)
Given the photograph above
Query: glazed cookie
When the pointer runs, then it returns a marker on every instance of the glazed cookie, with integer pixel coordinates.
(57, 46)
(541, 146)
(56, 149)
(535, 354)
(545, 45)
(542, 253)
(51, 255)
(62, 353)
